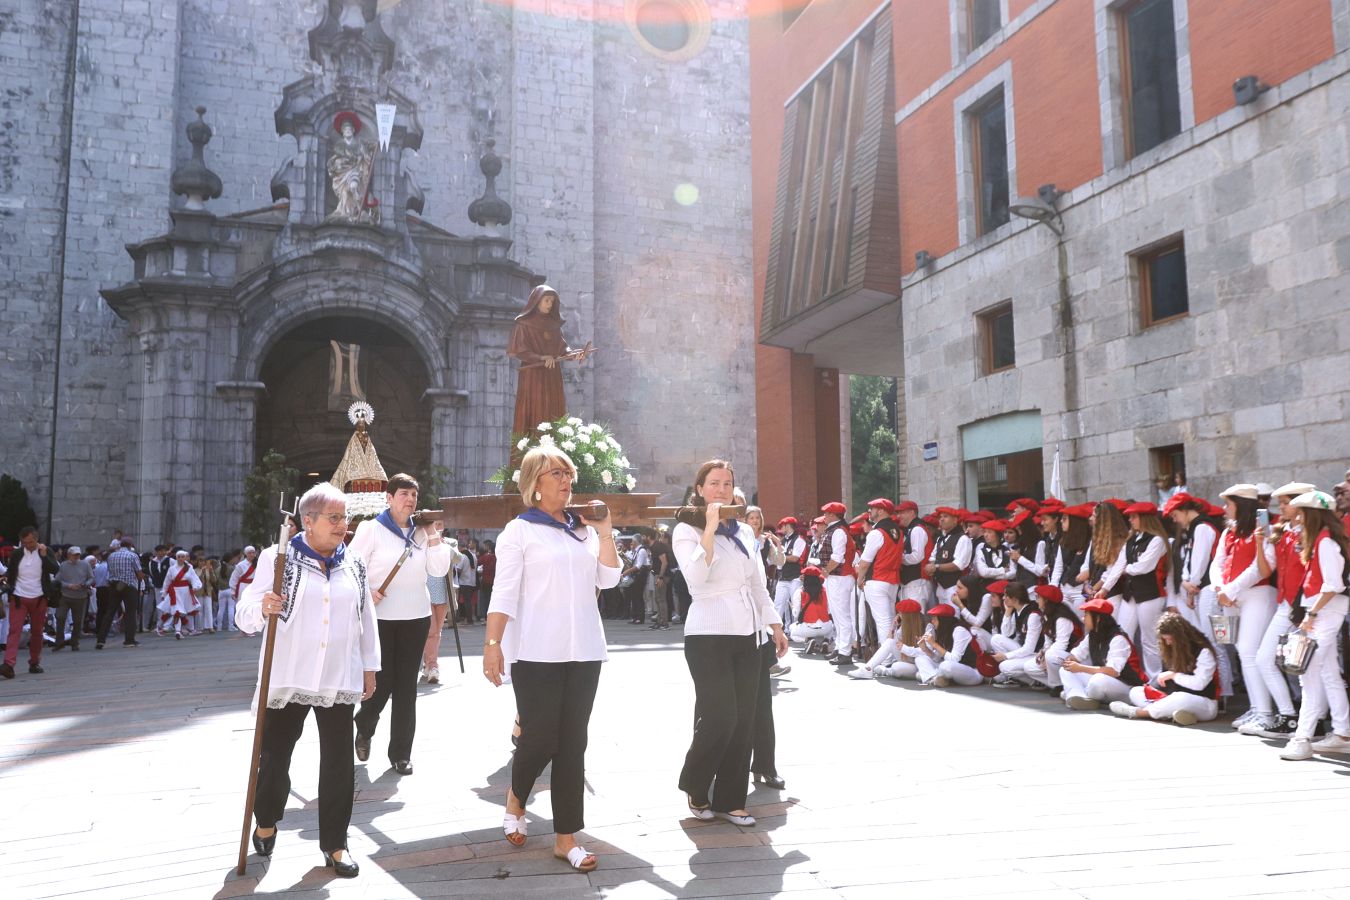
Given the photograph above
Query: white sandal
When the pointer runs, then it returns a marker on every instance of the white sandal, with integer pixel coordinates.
(576, 858)
(515, 829)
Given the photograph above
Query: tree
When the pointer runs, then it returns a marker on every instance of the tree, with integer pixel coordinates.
(263, 488)
(15, 510)
(875, 450)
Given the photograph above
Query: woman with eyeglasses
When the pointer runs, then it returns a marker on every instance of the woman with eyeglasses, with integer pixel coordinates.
(728, 621)
(545, 626)
(325, 659)
(390, 545)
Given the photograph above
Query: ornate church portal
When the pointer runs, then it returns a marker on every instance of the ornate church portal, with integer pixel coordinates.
(257, 330)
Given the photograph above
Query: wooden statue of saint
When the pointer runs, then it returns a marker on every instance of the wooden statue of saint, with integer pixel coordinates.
(537, 341)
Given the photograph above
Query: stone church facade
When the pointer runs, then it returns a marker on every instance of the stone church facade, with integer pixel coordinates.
(181, 297)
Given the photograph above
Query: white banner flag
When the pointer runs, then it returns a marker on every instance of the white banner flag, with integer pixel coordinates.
(1056, 489)
(384, 118)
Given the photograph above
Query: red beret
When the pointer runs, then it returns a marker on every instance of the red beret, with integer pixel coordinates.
(982, 515)
(787, 520)
(967, 516)
(942, 609)
(856, 528)
(1117, 503)
(996, 525)
(834, 506)
(1024, 502)
(1217, 511)
(997, 587)
(1175, 501)
(931, 518)
(1098, 604)
(1050, 592)
(1052, 502)
(947, 511)
(906, 505)
(818, 520)
(813, 571)
(1143, 508)
(883, 503)
(908, 606)
(1018, 519)
(1081, 511)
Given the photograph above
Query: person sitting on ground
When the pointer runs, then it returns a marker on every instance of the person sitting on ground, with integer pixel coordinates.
(1062, 631)
(813, 623)
(1187, 691)
(895, 657)
(1104, 665)
(1024, 623)
(948, 651)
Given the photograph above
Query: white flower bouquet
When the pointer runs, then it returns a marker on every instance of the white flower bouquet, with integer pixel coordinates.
(601, 466)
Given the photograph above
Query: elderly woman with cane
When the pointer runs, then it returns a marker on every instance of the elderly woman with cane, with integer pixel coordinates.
(325, 659)
(544, 623)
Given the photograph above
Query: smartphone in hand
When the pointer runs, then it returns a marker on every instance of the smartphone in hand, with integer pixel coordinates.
(1263, 521)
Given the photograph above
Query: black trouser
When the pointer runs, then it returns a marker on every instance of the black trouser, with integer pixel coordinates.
(612, 603)
(123, 595)
(637, 607)
(681, 589)
(726, 673)
(765, 739)
(281, 729)
(76, 607)
(554, 703)
(402, 642)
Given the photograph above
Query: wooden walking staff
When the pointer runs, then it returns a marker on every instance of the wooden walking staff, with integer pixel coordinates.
(264, 684)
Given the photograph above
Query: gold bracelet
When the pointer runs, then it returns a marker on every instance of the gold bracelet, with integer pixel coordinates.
(491, 642)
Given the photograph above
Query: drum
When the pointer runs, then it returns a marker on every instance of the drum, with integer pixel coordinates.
(1295, 652)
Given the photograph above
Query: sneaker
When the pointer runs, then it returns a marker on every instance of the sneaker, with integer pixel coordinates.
(1257, 726)
(1333, 743)
(434, 675)
(1284, 727)
(862, 674)
(779, 670)
(34, 669)
(1184, 717)
(1244, 718)
(1297, 749)
(810, 648)
(1084, 704)
(842, 660)
(942, 681)
(1057, 691)
(1003, 681)
(1123, 709)
(6, 670)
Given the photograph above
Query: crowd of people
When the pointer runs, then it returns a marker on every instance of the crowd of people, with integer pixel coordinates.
(1154, 612)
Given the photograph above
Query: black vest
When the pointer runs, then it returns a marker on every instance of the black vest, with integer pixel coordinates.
(968, 658)
(1132, 673)
(790, 571)
(913, 572)
(945, 552)
(1024, 575)
(1188, 548)
(1020, 620)
(1210, 690)
(1139, 588)
(1070, 565)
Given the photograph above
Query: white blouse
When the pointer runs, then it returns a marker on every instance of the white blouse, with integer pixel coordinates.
(326, 633)
(730, 595)
(546, 583)
(407, 596)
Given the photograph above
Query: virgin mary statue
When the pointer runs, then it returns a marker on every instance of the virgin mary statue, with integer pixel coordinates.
(537, 341)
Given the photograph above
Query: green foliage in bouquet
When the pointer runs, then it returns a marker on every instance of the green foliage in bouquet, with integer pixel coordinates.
(601, 466)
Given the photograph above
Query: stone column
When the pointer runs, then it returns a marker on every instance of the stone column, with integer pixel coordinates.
(229, 458)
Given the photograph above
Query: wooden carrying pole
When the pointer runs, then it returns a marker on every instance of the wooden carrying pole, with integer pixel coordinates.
(264, 684)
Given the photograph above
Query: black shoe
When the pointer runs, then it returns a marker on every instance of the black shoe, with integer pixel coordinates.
(342, 868)
(772, 781)
(402, 767)
(264, 845)
(842, 660)
(6, 670)
(34, 669)
(362, 746)
(60, 645)
(74, 648)
(132, 644)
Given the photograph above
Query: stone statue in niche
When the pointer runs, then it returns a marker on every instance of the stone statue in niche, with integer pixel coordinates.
(350, 167)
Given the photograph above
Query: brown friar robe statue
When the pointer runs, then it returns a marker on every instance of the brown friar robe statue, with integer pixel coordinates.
(537, 336)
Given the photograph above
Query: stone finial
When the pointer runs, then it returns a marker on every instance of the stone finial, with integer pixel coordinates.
(489, 210)
(193, 179)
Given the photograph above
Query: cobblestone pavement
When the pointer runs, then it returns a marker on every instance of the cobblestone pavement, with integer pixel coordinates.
(123, 775)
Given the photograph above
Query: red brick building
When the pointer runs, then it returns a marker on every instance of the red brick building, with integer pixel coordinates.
(882, 131)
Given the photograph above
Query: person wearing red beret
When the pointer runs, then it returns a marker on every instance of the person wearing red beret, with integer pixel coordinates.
(992, 562)
(916, 545)
(1188, 690)
(1063, 630)
(838, 553)
(1027, 550)
(879, 566)
(1021, 636)
(973, 525)
(951, 554)
(812, 623)
(1195, 599)
(1109, 533)
(790, 574)
(1242, 590)
(895, 657)
(1071, 554)
(947, 652)
(1136, 581)
(1104, 665)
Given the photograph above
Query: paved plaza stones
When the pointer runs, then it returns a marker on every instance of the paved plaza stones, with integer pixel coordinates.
(123, 773)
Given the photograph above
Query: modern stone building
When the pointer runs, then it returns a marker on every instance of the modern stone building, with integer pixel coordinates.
(1122, 234)
(180, 297)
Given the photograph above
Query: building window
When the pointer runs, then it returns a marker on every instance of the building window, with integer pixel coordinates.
(1169, 470)
(672, 30)
(1161, 271)
(1149, 83)
(995, 329)
(985, 18)
(988, 125)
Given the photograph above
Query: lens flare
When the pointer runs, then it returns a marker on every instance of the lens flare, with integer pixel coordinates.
(686, 194)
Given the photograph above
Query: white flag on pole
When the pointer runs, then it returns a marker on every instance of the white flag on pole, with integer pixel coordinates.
(1056, 489)
(384, 118)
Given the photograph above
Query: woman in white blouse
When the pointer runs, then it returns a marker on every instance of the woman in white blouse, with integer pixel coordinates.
(326, 656)
(728, 618)
(544, 623)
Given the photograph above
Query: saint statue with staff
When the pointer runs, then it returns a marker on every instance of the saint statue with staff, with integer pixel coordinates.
(537, 341)
(350, 167)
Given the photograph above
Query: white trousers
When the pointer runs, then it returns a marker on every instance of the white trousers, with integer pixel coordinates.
(880, 598)
(1098, 686)
(1047, 673)
(1073, 598)
(1203, 707)
(225, 615)
(1207, 604)
(811, 631)
(1323, 685)
(1185, 610)
(1270, 673)
(839, 591)
(943, 595)
(1143, 617)
(918, 589)
(1002, 644)
(206, 616)
(782, 599)
(1256, 607)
